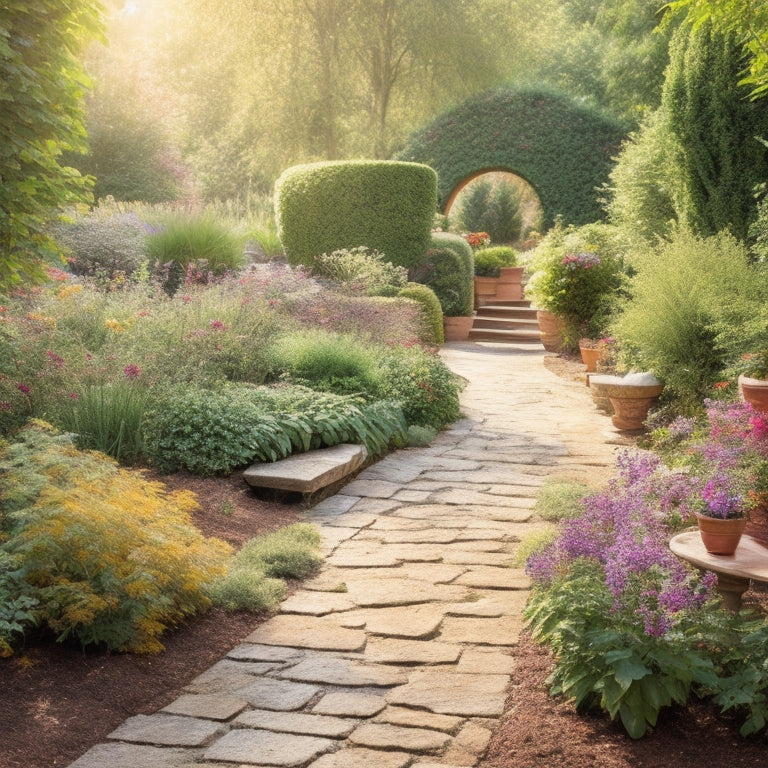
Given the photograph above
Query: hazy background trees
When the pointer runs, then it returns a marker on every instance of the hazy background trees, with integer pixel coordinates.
(242, 89)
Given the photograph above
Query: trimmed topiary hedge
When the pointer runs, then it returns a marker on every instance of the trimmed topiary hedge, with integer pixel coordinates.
(384, 205)
(430, 309)
(563, 149)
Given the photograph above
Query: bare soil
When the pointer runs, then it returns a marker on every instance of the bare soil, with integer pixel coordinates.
(59, 701)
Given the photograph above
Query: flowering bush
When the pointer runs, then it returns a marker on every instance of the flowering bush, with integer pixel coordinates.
(577, 275)
(633, 627)
(477, 239)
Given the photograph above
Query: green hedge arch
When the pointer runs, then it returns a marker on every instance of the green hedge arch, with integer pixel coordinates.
(563, 149)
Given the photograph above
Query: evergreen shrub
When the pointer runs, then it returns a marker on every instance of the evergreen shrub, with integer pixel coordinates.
(488, 261)
(448, 268)
(384, 205)
(431, 311)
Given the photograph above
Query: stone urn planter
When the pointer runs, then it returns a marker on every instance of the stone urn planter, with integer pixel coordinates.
(551, 327)
(720, 536)
(510, 284)
(457, 327)
(590, 356)
(632, 397)
(597, 384)
(754, 392)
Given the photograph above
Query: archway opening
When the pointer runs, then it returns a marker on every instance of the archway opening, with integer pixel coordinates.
(496, 201)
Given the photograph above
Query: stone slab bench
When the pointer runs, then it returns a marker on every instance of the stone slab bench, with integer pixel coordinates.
(307, 472)
(734, 572)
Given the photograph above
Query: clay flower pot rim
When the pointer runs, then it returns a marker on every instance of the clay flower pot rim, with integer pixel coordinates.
(633, 385)
(752, 382)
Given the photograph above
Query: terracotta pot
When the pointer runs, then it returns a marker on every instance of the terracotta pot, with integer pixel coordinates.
(590, 356)
(510, 285)
(457, 328)
(485, 290)
(551, 327)
(754, 392)
(720, 537)
(631, 403)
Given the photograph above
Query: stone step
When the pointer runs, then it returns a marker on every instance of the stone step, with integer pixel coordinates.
(504, 323)
(520, 336)
(307, 472)
(505, 310)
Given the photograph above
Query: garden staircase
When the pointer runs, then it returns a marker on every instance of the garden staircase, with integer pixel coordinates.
(511, 322)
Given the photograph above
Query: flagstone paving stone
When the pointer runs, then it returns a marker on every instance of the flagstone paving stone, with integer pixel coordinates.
(398, 653)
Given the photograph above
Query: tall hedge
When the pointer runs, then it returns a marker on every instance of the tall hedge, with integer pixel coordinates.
(563, 149)
(718, 129)
(384, 205)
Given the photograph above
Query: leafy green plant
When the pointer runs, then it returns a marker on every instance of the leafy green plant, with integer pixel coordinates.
(431, 311)
(578, 275)
(488, 261)
(217, 431)
(559, 499)
(427, 391)
(442, 272)
(361, 270)
(384, 205)
(694, 308)
(328, 362)
(255, 580)
(107, 557)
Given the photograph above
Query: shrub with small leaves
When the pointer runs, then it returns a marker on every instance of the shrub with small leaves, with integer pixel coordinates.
(361, 270)
(107, 557)
(431, 312)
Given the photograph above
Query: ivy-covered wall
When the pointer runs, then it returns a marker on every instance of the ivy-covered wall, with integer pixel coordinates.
(563, 149)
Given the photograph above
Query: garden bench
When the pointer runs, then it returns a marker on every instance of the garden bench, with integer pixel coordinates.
(734, 572)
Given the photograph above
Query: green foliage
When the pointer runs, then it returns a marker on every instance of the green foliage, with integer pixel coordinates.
(488, 261)
(420, 437)
(492, 208)
(328, 362)
(720, 160)
(630, 675)
(448, 268)
(515, 128)
(641, 191)
(425, 388)
(431, 311)
(98, 553)
(103, 243)
(43, 84)
(288, 553)
(361, 270)
(560, 499)
(108, 418)
(533, 542)
(217, 431)
(386, 206)
(692, 305)
(254, 581)
(577, 274)
(746, 21)
(442, 271)
(182, 241)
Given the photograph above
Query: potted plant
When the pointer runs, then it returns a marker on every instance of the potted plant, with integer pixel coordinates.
(722, 512)
(575, 275)
(593, 351)
(753, 380)
(632, 397)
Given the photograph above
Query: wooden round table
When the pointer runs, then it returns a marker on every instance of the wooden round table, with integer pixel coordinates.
(734, 572)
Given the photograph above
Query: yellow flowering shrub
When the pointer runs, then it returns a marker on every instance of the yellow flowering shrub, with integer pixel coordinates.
(108, 557)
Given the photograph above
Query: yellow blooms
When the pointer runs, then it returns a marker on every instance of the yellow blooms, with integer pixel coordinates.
(68, 290)
(113, 325)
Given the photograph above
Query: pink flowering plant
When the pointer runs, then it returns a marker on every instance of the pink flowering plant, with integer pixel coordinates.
(634, 629)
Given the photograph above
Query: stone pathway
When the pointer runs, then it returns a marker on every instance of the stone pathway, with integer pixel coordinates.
(397, 654)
